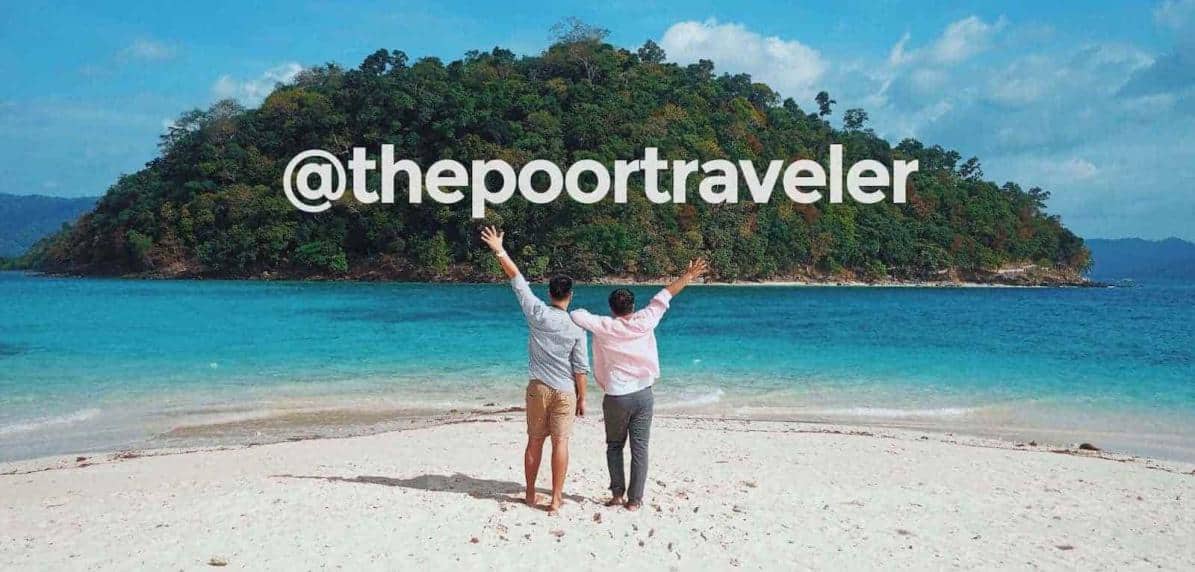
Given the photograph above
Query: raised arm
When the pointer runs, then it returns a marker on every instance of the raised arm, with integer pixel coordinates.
(530, 304)
(696, 268)
(493, 238)
(651, 314)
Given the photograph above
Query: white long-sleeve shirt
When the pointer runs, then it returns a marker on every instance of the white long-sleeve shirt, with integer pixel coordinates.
(625, 357)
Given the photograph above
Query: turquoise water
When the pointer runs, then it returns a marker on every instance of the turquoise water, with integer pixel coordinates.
(89, 364)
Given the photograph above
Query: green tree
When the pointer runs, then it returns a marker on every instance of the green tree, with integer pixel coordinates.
(823, 103)
(651, 53)
(210, 203)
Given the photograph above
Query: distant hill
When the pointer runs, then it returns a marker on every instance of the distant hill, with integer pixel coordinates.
(24, 219)
(1138, 259)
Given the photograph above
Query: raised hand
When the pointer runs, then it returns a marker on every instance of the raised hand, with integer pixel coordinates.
(493, 238)
(696, 268)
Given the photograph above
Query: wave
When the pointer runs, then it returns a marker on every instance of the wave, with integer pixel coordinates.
(708, 398)
(36, 424)
(892, 413)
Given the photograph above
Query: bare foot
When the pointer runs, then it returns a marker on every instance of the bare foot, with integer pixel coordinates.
(531, 498)
(633, 505)
(614, 501)
(554, 507)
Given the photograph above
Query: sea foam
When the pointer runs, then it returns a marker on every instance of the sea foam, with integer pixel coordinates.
(888, 412)
(36, 424)
(694, 400)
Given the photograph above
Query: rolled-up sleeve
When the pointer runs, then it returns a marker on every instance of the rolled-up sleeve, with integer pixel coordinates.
(654, 311)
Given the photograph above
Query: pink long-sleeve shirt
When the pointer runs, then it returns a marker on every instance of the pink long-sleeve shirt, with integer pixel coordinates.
(625, 358)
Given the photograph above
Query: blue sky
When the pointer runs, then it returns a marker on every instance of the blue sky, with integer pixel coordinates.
(1094, 101)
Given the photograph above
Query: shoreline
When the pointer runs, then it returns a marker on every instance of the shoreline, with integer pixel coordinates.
(331, 424)
(612, 281)
(721, 494)
(274, 415)
(837, 284)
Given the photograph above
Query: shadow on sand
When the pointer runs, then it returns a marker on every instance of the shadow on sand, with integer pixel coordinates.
(500, 491)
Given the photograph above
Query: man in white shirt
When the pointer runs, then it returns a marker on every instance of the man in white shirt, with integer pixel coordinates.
(626, 365)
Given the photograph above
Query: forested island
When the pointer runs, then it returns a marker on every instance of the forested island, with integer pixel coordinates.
(211, 204)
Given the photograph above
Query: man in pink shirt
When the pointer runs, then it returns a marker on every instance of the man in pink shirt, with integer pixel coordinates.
(626, 364)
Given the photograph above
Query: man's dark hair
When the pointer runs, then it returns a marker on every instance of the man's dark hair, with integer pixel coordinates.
(560, 286)
(622, 302)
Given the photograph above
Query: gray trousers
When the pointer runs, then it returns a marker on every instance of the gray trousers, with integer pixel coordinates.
(628, 415)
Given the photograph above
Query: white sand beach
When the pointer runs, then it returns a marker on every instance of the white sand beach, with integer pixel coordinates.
(721, 495)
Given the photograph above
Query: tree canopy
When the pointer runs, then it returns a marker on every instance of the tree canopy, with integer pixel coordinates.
(211, 204)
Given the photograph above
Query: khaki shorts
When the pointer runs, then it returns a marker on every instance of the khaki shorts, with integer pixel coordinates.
(549, 411)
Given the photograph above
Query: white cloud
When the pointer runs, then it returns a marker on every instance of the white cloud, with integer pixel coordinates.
(1115, 55)
(141, 50)
(148, 50)
(898, 55)
(1041, 110)
(789, 66)
(1175, 14)
(911, 123)
(1063, 79)
(1025, 81)
(1074, 169)
(963, 39)
(926, 81)
(226, 87)
(914, 84)
(252, 91)
(960, 41)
